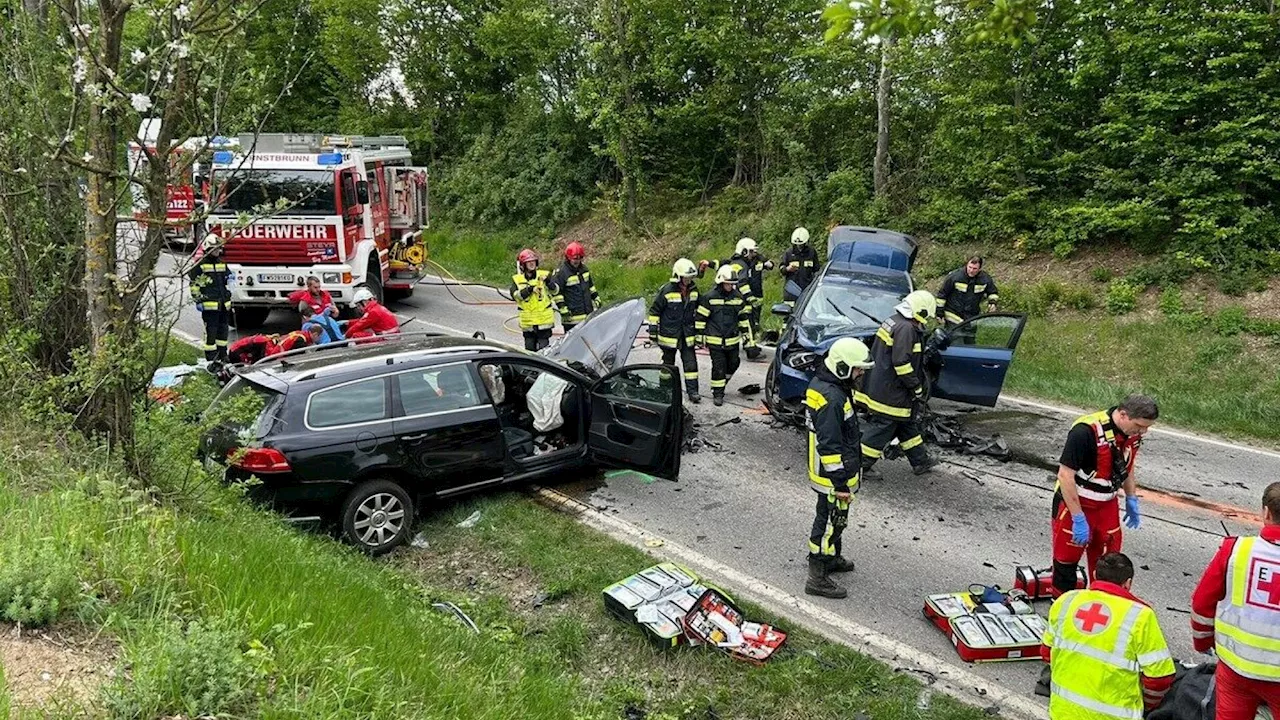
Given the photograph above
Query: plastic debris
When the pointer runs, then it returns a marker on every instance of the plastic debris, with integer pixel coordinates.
(471, 520)
(654, 543)
(420, 541)
(752, 389)
(456, 611)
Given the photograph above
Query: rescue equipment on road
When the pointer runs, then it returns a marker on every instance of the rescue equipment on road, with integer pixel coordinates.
(986, 624)
(1038, 584)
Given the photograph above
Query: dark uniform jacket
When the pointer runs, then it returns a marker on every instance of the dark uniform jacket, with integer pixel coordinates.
(802, 261)
(723, 317)
(961, 297)
(833, 434)
(211, 284)
(672, 314)
(896, 380)
(750, 275)
(577, 297)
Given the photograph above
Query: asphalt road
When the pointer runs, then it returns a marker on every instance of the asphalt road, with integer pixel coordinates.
(748, 505)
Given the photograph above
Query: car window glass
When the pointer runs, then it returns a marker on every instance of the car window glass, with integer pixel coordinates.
(348, 404)
(437, 390)
(646, 384)
(996, 331)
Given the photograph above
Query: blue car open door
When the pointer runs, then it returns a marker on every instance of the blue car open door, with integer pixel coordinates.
(976, 355)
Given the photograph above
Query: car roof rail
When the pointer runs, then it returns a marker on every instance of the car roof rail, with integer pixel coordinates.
(350, 342)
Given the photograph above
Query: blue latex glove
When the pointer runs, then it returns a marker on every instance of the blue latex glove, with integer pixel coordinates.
(1079, 529)
(1132, 518)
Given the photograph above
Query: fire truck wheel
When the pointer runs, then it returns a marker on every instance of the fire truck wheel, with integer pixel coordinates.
(251, 318)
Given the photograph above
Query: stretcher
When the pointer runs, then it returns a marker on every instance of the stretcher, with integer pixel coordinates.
(989, 626)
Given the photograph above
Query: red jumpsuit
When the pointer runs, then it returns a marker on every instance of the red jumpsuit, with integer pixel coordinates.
(376, 320)
(248, 350)
(318, 304)
(1238, 697)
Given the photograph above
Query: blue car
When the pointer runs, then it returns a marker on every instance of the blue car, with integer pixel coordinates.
(868, 272)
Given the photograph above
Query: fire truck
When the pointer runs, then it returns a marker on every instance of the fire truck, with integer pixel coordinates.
(349, 210)
(180, 228)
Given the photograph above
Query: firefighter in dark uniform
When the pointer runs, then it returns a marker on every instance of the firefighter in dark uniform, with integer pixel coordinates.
(894, 387)
(672, 320)
(578, 297)
(211, 285)
(724, 317)
(749, 267)
(799, 264)
(963, 292)
(1096, 463)
(534, 291)
(834, 459)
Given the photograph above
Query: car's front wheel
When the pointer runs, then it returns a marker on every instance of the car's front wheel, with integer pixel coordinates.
(377, 516)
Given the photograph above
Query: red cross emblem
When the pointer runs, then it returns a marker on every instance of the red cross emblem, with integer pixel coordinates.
(1264, 584)
(1093, 618)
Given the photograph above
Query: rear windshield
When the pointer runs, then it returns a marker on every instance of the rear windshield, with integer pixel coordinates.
(243, 408)
(284, 192)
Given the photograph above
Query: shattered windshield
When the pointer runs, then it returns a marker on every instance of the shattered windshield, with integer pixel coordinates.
(829, 310)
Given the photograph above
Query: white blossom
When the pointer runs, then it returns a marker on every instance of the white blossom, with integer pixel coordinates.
(182, 12)
(83, 30)
(141, 103)
(79, 70)
(137, 56)
(182, 49)
(20, 170)
(88, 157)
(93, 90)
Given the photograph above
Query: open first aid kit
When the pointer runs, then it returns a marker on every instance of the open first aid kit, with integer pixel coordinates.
(988, 625)
(673, 608)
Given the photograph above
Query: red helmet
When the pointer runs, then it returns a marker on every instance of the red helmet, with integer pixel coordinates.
(526, 255)
(575, 251)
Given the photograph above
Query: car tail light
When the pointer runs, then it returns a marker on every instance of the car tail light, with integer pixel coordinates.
(259, 460)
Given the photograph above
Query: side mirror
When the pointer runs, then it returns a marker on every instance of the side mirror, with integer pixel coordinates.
(781, 310)
(362, 192)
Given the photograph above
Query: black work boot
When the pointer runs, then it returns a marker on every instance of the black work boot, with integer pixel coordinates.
(839, 564)
(717, 398)
(926, 466)
(870, 473)
(820, 583)
(691, 390)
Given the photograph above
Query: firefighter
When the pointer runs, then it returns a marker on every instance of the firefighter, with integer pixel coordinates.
(724, 317)
(1235, 612)
(211, 285)
(534, 291)
(577, 296)
(1097, 461)
(672, 320)
(317, 297)
(834, 459)
(374, 318)
(963, 292)
(895, 386)
(749, 268)
(1107, 656)
(799, 264)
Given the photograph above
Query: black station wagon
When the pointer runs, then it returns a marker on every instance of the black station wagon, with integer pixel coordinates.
(368, 435)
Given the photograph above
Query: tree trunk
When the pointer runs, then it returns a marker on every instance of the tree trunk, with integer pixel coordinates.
(626, 163)
(884, 94)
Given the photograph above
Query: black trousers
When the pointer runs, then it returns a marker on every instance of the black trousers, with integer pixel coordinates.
(753, 342)
(537, 339)
(689, 359)
(829, 521)
(567, 326)
(217, 326)
(880, 430)
(725, 360)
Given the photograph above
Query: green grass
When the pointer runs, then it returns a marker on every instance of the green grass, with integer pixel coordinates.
(222, 610)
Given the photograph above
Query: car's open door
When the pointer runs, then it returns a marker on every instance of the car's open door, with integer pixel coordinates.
(637, 420)
(975, 356)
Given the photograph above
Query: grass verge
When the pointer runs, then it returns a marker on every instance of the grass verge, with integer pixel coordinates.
(218, 609)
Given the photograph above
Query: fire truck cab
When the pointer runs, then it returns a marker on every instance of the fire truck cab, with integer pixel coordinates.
(182, 198)
(349, 210)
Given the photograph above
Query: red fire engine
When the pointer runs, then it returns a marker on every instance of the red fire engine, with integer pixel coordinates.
(348, 209)
(181, 193)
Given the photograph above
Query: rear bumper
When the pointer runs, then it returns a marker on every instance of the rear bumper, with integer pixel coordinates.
(283, 491)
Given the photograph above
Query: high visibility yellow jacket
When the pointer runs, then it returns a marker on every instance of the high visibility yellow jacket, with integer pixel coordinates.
(1104, 645)
(891, 386)
(1247, 625)
(538, 310)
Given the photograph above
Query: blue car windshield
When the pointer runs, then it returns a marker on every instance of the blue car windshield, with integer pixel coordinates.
(819, 315)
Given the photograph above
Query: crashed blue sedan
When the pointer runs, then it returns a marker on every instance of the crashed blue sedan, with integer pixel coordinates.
(868, 272)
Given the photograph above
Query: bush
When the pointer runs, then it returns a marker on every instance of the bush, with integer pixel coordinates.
(1230, 321)
(1171, 302)
(1101, 274)
(1122, 297)
(1079, 298)
(36, 584)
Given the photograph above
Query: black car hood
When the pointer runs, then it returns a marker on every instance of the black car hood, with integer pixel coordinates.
(602, 343)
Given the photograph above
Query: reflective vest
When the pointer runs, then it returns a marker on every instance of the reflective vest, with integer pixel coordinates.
(833, 434)
(538, 311)
(1115, 459)
(672, 316)
(1247, 625)
(1101, 645)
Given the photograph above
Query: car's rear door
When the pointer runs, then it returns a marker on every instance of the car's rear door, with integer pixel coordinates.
(347, 430)
(637, 420)
(976, 355)
(447, 429)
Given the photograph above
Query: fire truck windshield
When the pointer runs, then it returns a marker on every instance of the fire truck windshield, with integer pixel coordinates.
(303, 192)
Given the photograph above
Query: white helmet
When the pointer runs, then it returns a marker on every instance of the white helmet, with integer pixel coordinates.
(362, 295)
(726, 274)
(847, 354)
(919, 305)
(799, 236)
(211, 241)
(744, 245)
(684, 268)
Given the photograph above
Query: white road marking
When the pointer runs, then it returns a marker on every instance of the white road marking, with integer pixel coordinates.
(952, 679)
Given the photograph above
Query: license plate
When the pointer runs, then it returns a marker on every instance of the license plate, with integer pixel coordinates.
(275, 278)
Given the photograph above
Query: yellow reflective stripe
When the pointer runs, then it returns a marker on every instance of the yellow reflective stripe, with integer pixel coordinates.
(673, 296)
(836, 459)
(691, 375)
(952, 316)
(904, 369)
(979, 288)
(1249, 668)
(1089, 703)
(667, 341)
(993, 297)
(652, 319)
(815, 399)
(718, 383)
(713, 340)
(210, 304)
(1241, 555)
(1259, 642)
(871, 452)
(916, 348)
(912, 442)
(962, 287)
(882, 408)
(885, 336)
(704, 310)
(941, 302)
(572, 280)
